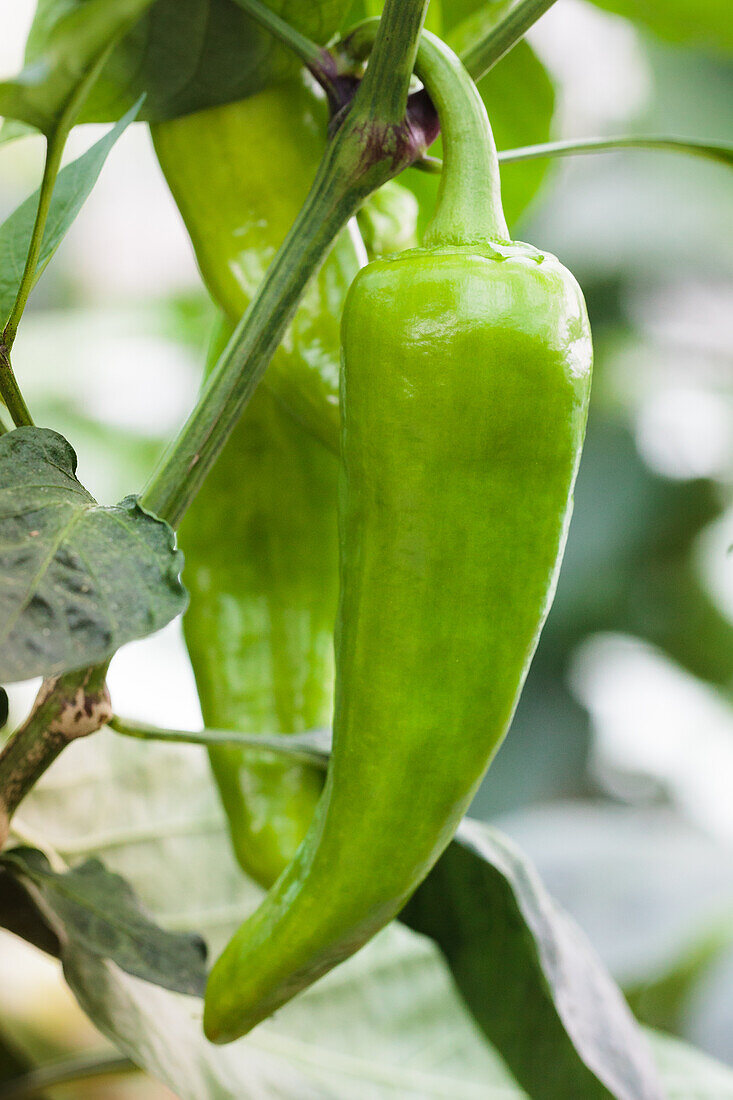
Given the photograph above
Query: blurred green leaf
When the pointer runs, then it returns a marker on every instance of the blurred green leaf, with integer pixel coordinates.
(661, 1001)
(67, 40)
(13, 1064)
(73, 186)
(702, 23)
(77, 580)
(4, 707)
(96, 909)
(529, 975)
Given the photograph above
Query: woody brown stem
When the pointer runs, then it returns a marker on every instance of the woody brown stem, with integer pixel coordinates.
(66, 708)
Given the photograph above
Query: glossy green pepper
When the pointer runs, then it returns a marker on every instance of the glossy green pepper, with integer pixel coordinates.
(465, 385)
(262, 573)
(260, 539)
(239, 175)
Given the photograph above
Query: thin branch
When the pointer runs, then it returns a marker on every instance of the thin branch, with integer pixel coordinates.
(10, 391)
(54, 153)
(319, 61)
(721, 152)
(312, 747)
(484, 54)
(56, 142)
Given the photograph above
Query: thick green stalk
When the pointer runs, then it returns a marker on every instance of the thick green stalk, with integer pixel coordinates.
(383, 91)
(365, 153)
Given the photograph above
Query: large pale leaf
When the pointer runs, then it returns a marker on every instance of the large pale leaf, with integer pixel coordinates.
(385, 1024)
(529, 975)
(388, 1023)
(73, 186)
(77, 580)
(68, 38)
(561, 1023)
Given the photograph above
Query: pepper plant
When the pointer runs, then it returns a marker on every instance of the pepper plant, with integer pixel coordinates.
(385, 443)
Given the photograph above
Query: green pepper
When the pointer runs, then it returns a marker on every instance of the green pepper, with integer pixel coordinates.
(465, 386)
(260, 538)
(239, 175)
(261, 569)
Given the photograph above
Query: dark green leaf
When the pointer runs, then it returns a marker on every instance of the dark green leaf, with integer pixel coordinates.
(186, 55)
(77, 580)
(703, 23)
(73, 187)
(20, 914)
(529, 975)
(68, 38)
(662, 1001)
(99, 912)
(4, 707)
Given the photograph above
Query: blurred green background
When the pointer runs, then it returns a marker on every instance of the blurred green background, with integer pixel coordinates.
(617, 774)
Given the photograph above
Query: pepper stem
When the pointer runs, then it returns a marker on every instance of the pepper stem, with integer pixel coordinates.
(468, 209)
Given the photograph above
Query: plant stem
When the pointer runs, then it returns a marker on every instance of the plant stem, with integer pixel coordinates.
(67, 707)
(54, 152)
(308, 52)
(10, 391)
(64, 1072)
(56, 141)
(717, 151)
(483, 55)
(317, 59)
(3, 426)
(312, 747)
(383, 91)
(370, 147)
(720, 152)
(469, 208)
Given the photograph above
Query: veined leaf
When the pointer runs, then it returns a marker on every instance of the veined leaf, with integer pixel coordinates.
(77, 580)
(183, 55)
(98, 911)
(68, 38)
